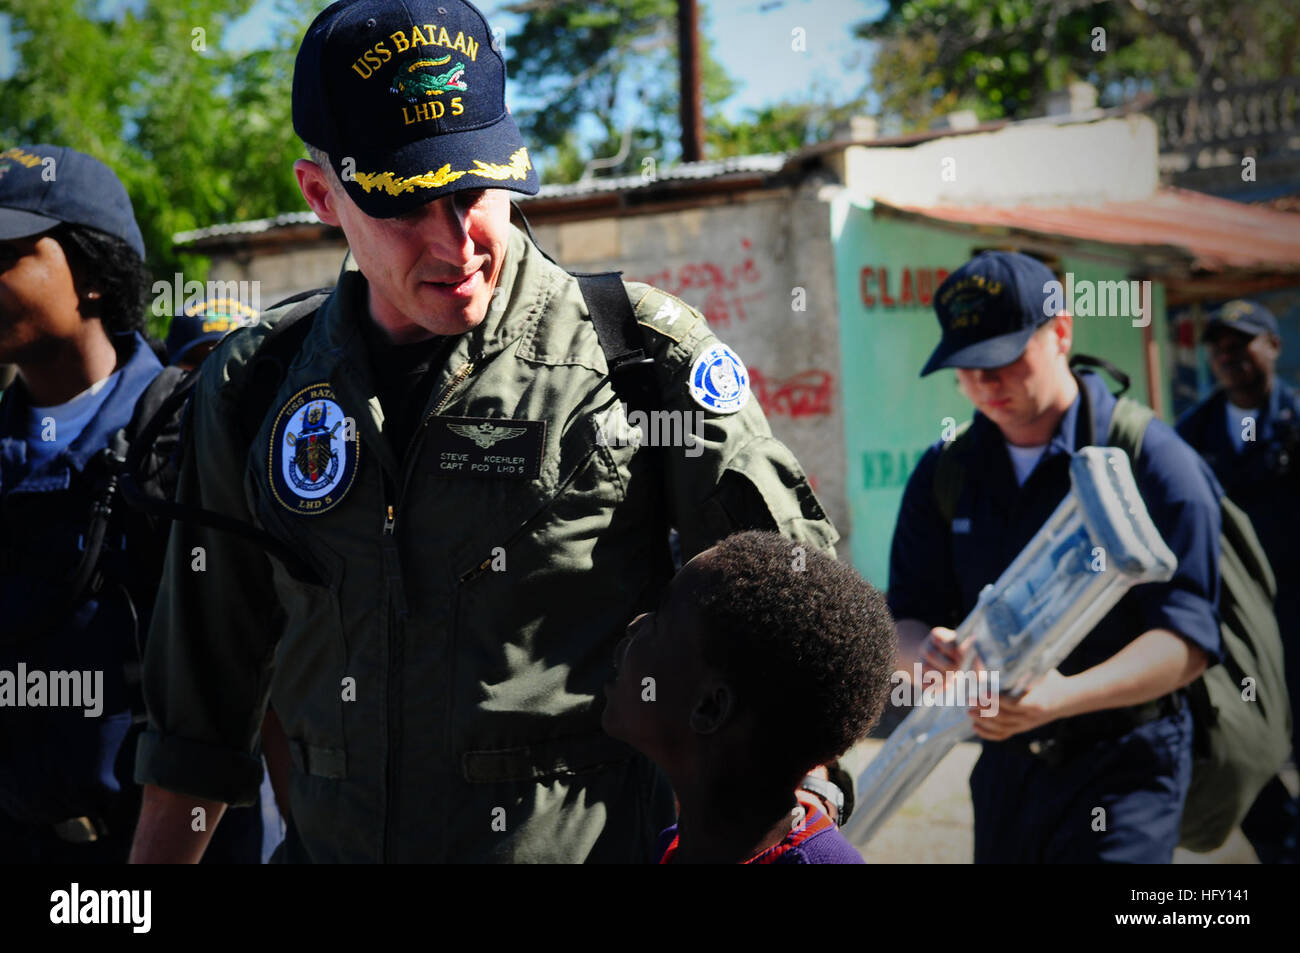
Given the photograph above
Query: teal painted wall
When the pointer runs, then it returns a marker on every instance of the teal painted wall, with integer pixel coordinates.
(892, 415)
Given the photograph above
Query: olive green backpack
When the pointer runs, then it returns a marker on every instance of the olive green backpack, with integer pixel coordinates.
(1240, 707)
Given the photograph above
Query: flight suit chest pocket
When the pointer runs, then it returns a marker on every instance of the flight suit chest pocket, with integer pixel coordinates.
(528, 636)
(579, 486)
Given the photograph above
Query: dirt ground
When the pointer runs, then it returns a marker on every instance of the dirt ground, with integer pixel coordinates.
(935, 825)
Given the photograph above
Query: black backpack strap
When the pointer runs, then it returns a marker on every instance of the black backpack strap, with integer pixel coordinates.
(1085, 427)
(1128, 426)
(261, 380)
(270, 364)
(154, 411)
(322, 293)
(1087, 361)
(950, 474)
(154, 397)
(631, 372)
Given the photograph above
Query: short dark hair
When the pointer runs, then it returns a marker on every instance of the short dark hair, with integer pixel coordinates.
(805, 641)
(322, 159)
(107, 264)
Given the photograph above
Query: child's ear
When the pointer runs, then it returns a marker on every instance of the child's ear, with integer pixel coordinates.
(713, 708)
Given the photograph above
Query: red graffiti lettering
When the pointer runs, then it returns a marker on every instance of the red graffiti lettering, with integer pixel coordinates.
(806, 394)
(715, 288)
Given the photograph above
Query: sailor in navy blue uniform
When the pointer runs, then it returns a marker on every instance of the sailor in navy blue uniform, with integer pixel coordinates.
(78, 570)
(1093, 763)
(1248, 431)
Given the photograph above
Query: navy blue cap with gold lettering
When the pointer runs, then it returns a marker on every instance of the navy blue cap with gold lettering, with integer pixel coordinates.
(407, 97)
(988, 310)
(1243, 316)
(43, 185)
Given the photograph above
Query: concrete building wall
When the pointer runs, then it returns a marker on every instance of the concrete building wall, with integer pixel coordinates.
(762, 273)
(285, 270)
(1029, 163)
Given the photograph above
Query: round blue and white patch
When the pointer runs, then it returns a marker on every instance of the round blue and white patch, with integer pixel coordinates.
(314, 452)
(719, 381)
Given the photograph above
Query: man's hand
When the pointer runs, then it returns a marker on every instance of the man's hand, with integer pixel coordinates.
(1046, 701)
(1154, 664)
(936, 648)
(166, 832)
(941, 652)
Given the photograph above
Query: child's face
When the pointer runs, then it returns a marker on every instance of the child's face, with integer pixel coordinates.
(658, 671)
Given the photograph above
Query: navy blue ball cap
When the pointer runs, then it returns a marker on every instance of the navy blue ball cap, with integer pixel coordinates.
(407, 97)
(988, 310)
(1247, 317)
(44, 186)
(203, 321)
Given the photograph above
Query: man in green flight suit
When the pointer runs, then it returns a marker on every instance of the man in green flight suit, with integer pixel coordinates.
(438, 456)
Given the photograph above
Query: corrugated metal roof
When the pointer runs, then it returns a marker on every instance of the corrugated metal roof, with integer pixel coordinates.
(767, 163)
(1216, 234)
(251, 227)
(764, 164)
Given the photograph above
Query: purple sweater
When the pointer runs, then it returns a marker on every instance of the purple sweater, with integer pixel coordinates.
(817, 841)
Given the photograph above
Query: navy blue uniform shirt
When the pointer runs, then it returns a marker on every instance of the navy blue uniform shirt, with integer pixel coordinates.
(936, 571)
(55, 763)
(1263, 479)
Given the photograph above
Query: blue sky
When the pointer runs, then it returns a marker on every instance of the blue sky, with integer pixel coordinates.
(751, 38)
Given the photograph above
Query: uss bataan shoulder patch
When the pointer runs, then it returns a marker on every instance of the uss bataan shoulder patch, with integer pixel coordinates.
(719, 381)
(314, 452)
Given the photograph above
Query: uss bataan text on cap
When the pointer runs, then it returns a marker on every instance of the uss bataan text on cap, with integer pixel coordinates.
(408, 99)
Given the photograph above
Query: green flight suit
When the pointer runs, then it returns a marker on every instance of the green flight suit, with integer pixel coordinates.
(442, 692)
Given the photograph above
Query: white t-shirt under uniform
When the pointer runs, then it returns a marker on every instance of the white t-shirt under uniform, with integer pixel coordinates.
(1237, 417)
(1024, 459)
(51, 429)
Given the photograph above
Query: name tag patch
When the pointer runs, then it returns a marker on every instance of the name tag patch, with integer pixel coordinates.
(492, 447)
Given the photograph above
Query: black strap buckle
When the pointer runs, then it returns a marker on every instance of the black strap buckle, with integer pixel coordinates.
(633, 379)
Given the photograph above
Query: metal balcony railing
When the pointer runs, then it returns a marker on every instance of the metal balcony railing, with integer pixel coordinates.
(1265, 116)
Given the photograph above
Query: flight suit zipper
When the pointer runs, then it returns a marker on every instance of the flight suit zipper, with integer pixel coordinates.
(394, 605)
(473, 573)
(396, 608)
(455, 382)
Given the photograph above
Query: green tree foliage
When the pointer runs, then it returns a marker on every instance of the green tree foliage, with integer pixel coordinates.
(198, 134)
(1000, 57)
(611, 61)
(781, 127)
